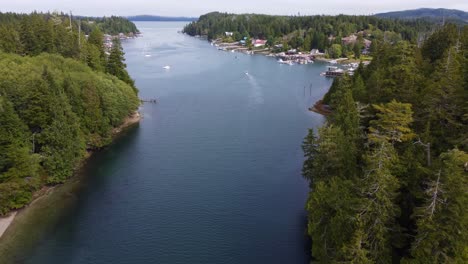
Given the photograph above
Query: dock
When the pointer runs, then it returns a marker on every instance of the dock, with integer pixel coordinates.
(152, 101)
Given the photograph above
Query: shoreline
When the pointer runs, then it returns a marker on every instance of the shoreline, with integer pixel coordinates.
(321, 108)
(298, 58)
(10, 220)
(6, 221)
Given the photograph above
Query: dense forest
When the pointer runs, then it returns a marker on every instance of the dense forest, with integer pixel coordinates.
(61, 94)
(113, 25)
(309, 32)
(388, 171)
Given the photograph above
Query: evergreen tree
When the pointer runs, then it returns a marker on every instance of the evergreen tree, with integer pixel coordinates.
(116, 65)
(442, 219)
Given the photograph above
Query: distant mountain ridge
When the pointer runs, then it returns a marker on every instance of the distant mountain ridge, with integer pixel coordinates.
(429, 13)
(159, 18)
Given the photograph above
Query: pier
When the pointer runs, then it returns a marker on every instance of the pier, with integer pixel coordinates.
(153, 101)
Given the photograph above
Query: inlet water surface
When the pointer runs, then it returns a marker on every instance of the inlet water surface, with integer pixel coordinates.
(211, 174)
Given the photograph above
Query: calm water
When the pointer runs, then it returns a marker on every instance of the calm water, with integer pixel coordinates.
(212, 173)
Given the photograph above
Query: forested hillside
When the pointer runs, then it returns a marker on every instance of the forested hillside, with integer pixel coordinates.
(307, 32)
(60, 95)
(439, 14)
(388, 171)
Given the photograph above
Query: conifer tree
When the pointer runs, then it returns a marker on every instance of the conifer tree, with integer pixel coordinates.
(116, 65)
(443, 218)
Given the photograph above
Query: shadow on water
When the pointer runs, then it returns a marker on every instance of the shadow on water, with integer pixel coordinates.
(39, 221)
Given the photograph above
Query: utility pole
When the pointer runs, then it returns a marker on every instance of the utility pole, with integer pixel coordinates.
(70, 19)
(79, 33)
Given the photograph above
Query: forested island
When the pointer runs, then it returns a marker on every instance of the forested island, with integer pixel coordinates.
(388, 170)
(61, 95)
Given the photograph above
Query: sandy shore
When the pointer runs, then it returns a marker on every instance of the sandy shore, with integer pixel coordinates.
(5, 222)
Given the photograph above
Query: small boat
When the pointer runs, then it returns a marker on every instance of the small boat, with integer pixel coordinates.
(167, 67)
(280, 61)
(148, 55)
(246, 73)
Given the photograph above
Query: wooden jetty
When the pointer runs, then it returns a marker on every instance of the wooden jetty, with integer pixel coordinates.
(153, 101)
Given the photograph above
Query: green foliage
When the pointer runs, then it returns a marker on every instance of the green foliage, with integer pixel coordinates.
(395, 170)
(442, 219)
(116, 65)
(332, 222)
(392, 124)
(306, 32)
(51, 111)
(335, 51)
(109, 25)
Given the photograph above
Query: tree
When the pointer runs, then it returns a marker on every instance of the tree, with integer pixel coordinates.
(332, 221)
(392, 123)
(443, 218)
(96, 53)
(379, 183)
(359, 88)
(335, 51)
(116, 65)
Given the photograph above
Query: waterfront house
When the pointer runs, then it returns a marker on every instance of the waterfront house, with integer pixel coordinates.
(316, 52)
(229, 34)
(278, 47)
(258, 43)
(291, 52)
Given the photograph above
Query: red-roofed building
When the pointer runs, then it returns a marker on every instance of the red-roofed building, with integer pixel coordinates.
(258, 43)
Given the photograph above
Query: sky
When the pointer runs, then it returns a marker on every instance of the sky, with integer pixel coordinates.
(195, 8)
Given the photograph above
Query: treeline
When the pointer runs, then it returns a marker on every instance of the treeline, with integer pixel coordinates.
(306, 32)
(54, 33)
(113, 25)
(60, 95)
(388, 171)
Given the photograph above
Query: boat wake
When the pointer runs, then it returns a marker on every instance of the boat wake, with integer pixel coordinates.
(256, 94)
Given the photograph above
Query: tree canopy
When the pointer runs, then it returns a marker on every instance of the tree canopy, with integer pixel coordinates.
(58, 99)
(388, 170)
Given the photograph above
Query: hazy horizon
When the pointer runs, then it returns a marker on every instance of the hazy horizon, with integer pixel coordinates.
(192, 8)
